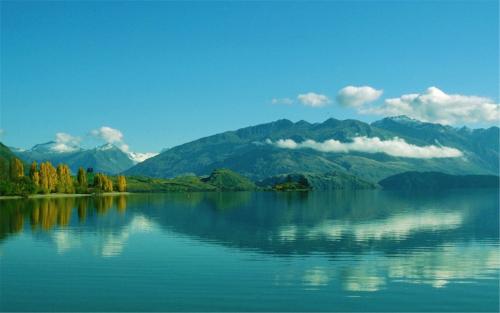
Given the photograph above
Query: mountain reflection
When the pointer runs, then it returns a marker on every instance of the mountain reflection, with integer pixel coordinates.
(430, 239)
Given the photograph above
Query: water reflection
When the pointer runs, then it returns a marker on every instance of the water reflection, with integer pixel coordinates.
(47, 213)
(362, 241)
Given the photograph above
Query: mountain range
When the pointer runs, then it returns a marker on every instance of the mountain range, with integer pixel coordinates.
(370, 151)
(106, 158)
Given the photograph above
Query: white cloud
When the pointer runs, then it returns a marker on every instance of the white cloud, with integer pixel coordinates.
(434, 105)
(66, 143)
(357, 96)
(313, 99)
(395, 147)
(108, 134)
(2, 132)
(287, 101)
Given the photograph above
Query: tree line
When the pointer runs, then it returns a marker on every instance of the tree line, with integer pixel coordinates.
(44, 178)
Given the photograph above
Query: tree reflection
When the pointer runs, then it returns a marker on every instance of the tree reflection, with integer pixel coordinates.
(82, 209)
(45, 214)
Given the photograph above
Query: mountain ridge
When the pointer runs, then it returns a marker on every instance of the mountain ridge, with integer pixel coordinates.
(246, 151)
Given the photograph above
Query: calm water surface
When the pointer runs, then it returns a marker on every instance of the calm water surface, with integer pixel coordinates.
(345, 251)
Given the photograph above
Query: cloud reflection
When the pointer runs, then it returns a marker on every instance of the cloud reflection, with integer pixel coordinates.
(397, 227)
(437, 267)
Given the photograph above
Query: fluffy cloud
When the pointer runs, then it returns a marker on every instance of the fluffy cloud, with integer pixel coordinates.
(287, 101)
(357, 96)
(108, 134)
(395, 147)
(2, 132)
(112, 136)
(66, 143)
(436, 106)
(313, 99)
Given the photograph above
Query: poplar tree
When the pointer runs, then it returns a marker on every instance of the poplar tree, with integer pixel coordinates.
(108, 186)
(82, 180)
(121, 183)
(64, 181)
(52, 173)
(34, 174)
(48, 177)
(44, 178)
(16, 169)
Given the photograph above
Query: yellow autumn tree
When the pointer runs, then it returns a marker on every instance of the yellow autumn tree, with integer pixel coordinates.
(53, 181)
(44, 178)
(64, 181)
(16, 169)
(48, 177)
(121, 183)
(34, 174)
(36, 179)
(108, 184)
(102, 183)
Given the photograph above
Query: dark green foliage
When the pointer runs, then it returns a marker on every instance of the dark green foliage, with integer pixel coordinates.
(437, 181)
(5, 158)
(22, 186)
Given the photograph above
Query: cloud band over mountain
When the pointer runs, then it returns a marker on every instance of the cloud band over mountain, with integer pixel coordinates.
(396, 147)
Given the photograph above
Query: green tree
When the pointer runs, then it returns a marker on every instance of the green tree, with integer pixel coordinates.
(82, 180)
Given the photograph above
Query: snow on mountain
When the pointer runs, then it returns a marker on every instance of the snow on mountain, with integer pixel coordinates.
(139, 157)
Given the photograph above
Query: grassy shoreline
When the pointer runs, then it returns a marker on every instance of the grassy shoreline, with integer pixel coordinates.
(65, 195)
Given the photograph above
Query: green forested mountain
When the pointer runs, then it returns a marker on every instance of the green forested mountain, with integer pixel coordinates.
(436, 181)
(6, 155)
(248, 152)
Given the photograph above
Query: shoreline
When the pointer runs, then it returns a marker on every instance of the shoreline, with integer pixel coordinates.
(65, 195)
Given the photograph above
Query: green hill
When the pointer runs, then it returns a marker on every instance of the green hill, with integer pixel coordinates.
(437, 181)
(313, 181)
(219, 180)
(224, 179)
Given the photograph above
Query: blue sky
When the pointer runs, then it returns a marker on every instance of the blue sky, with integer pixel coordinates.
(164, 73)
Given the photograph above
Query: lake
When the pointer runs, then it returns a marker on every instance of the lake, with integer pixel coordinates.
(262, 251)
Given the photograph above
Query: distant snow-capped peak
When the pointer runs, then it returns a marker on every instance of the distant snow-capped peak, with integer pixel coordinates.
(404, 119)
(106, 146)
(54, 147)
(138, 157)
